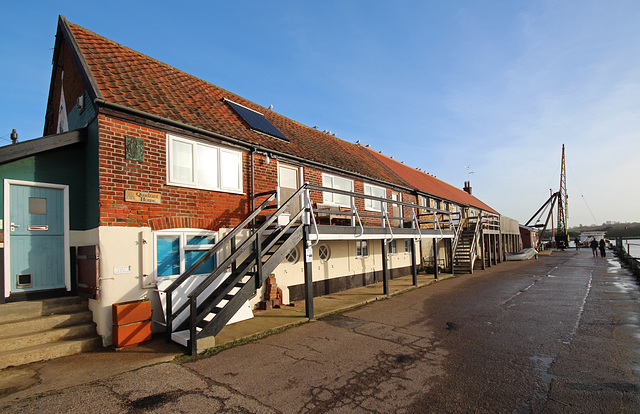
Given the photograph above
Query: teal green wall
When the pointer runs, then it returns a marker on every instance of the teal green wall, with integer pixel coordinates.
(60, 166)
(74, 165)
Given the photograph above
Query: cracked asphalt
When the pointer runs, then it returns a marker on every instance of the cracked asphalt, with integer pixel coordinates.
(554, 335)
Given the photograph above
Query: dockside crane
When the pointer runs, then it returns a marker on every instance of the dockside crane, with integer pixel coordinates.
(561, 198)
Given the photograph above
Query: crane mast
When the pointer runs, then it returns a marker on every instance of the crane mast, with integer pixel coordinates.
(562, 237)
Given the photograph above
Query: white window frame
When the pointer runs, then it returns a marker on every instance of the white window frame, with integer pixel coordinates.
(407, 245)
(393, 247)
(362, 245)
(183, 234)
(372, 190)
(329, 197)
(424, 202)
(220, 172)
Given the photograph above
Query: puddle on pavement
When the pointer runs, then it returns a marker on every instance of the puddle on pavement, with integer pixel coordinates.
(344, 322)
(543, 364)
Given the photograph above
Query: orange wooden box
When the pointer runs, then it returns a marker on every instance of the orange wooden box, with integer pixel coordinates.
(125, 313)
(132, 334)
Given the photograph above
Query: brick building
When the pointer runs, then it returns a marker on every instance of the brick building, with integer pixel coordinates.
(161, 176)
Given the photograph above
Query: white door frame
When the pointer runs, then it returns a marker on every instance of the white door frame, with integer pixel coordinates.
(7, 230)
(300, 171)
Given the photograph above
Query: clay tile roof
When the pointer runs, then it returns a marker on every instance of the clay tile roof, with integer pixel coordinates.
(131, 79)
(429, 184)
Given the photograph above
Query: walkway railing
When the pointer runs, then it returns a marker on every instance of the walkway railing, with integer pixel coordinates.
(356, 213)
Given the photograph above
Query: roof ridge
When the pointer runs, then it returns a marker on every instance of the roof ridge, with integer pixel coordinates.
(232, 96)
(157, 61)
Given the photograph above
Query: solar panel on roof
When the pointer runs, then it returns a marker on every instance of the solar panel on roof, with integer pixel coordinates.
(256, 120)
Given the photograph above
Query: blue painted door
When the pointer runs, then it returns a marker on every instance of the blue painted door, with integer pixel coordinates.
(37, 255)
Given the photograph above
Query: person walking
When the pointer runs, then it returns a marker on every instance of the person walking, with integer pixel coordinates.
(594, 247)
(603, 253)
(577, 242)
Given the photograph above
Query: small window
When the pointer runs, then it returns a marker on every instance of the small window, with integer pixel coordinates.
(323, 252)
(393, 247)
(37, 205)
(177, 251)
(375, 191)
(407, 245)
(338, 183)
(362, 248)
(425, 203)
(292, 257)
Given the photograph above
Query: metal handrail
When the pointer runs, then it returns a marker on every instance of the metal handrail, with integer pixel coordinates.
(385, 216)
(208, 255)
(416, 224)
(352, 194)
(202, 286)
(313, 217)
(354, 210)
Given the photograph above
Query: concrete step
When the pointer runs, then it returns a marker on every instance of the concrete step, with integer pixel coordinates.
(43, 352)
(20, 341)
(16, 311)
(45, 329)
(44, 323)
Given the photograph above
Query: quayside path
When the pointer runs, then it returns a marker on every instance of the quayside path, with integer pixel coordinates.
(555, 335)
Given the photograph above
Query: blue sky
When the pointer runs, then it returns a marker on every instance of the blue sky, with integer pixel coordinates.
(496, 85)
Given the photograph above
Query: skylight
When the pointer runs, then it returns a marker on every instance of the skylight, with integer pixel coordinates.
(256, 120)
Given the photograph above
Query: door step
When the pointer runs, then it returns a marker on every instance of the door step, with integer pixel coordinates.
(44, 352)
(45, 329)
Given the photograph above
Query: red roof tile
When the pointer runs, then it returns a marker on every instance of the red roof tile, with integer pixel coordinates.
(129, 78)
(427, 183)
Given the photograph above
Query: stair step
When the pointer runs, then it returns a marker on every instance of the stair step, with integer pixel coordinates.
(43, 323)
(52, 335)
(16, 311)
(43, 352)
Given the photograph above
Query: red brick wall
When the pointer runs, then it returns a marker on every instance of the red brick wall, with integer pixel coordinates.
(181, 206)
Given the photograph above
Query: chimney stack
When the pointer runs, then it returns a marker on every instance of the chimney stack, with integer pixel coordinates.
(467, 187)
(14, 136)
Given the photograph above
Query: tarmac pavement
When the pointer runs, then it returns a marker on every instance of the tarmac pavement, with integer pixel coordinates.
(559, 334)
(27, 381)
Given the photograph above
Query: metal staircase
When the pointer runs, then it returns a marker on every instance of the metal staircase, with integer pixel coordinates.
(465, 246)
(217, 298)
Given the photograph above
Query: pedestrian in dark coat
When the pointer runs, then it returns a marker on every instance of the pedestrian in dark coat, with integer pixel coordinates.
(594, 247)
(603, 253)
(577, 242)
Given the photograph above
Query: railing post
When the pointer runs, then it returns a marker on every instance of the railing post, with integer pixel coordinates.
(308, 273)
(233, 250)
(482, 247)
(414, 270)
(452, 256)
(193, 313)
(435, 258)
(490, 250)
(385, 270)
(258, 250)
(169, 314)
